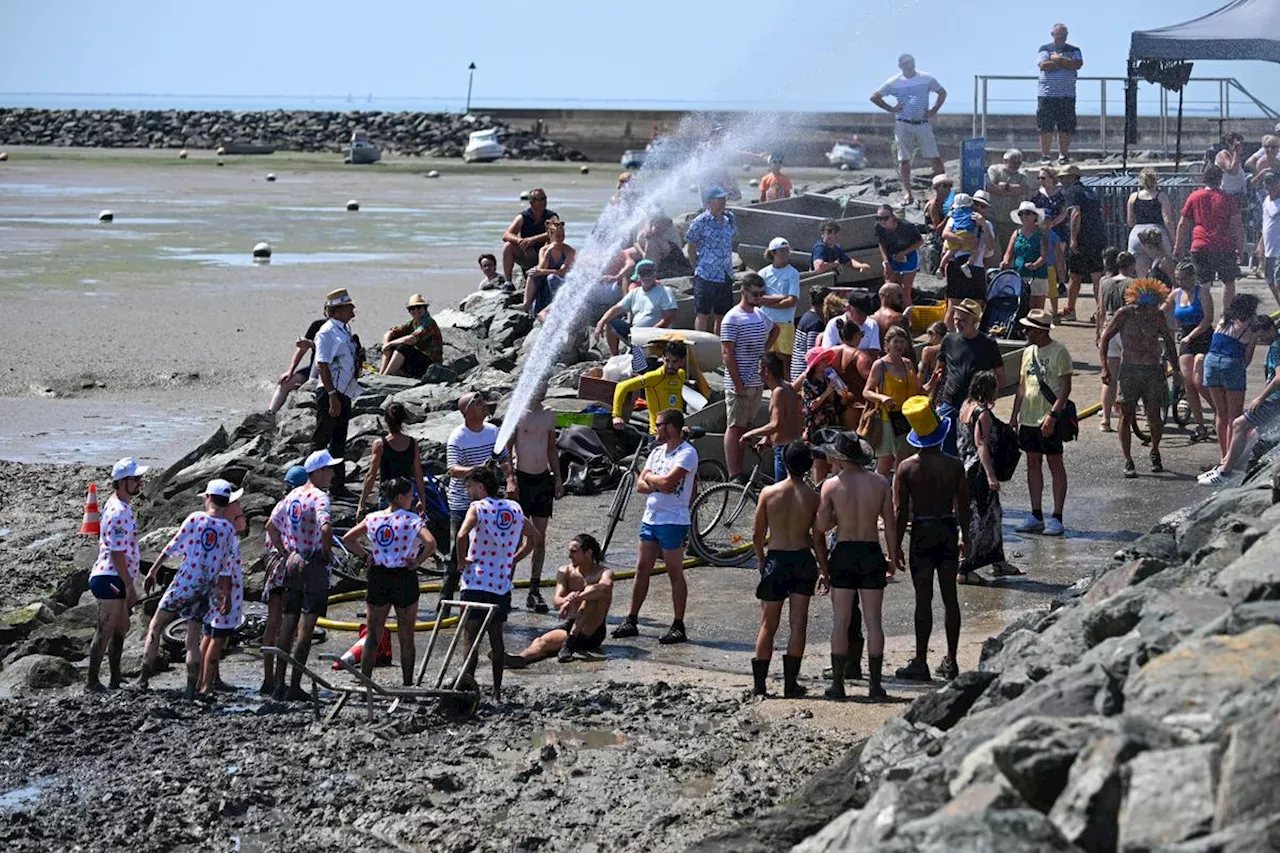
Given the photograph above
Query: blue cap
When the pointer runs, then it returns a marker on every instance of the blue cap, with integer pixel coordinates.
(715, 192)
(644, 266)
(296, 476)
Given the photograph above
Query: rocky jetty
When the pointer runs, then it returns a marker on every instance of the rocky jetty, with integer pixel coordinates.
(1140, 713)
(406, 134)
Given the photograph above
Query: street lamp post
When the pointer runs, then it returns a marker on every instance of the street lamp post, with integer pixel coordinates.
(470, 79)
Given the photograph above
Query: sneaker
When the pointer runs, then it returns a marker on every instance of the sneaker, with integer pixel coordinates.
(1218, 477)
(628, 628)
(565, 655)
(1031, 525)
(1130, 472)
(535, 603)
(947, 670)
(1063, 159)
(1069, 316)
(1157, 467)
(675, 634)
(1053, 527)
(1046, 161)
(917, 670)
(1105, 426)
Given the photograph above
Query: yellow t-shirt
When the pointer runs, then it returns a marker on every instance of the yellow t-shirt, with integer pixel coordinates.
(661, 391)
(1054, 363)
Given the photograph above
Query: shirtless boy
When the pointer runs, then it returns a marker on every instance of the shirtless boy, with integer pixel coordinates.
(785, 514)
(786, 414)
(584, 591)
(930, 490)
(537, 464)
(850, 504)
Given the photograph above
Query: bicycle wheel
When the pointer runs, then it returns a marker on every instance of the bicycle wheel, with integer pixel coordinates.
(710, 472)
(722, 524)
(618, 506)
(348, 566)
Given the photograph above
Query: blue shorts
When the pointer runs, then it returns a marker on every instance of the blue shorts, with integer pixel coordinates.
(712, 297)
(107, 587)
(668, 536)
(779, 465)
(1222, 371)
(1265, 415)
(911, 264)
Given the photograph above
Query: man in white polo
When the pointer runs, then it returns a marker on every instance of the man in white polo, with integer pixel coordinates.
(781, 294)
(911, 112)
(337, 366)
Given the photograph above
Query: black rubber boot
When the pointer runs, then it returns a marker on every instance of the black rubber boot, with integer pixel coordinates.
(836, 690)
(791, 672)
(875, 691)
(760, 672)
(853, 663)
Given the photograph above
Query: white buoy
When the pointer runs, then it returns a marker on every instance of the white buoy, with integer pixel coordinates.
(182, 155)
(220, 151)
(585, 170)
(753, 182)
(844, 167)
(271, 176)
(262, 252)
(4, 155)
(353, 205)
(524, 196)
(433, 174)
(106, 216)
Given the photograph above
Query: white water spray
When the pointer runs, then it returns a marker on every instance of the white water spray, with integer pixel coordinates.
(641, 198)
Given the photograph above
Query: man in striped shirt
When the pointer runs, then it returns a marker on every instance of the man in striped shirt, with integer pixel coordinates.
(1056, 94)
(470, 446)
(808, 331)
(911, 113)
(745, 334)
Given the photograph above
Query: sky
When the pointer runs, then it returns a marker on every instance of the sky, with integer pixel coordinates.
(666, 53)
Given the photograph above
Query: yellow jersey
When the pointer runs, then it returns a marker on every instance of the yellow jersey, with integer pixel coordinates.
(661, 391)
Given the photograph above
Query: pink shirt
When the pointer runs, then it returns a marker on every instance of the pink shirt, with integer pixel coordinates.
(490, 560)
(393, 536)
(299, 518)
(119, 532)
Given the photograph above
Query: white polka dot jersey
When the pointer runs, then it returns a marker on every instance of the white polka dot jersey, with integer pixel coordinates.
(119, 532)
(393, 537)
(491, 559)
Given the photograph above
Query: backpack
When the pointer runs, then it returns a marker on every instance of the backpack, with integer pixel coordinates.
(1002, 441)
(585, 464)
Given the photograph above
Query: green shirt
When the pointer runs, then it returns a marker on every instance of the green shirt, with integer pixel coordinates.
(1051, 362)
(426, 338)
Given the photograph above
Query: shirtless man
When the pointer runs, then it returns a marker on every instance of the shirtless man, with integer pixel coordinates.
(786, 414)
(930, 490)
(584, 592)
(785, 514)
(892, 304)
(538, 481)
(1143, 331)
(850, 504)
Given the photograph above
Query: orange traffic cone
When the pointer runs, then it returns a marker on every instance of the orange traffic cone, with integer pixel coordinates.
(90, 525)
(356, 652)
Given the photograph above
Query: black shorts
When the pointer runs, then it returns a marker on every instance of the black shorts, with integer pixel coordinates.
(712, 297)
(536, 493)
(787, 573)
(935, 544)
(1056, 114)
(961, 286)
(1199, 345)
(396, 587)
(217, 633)
(483, 596)
(858, 565)
(415, 363)
(1086, 261)
(1031, 440)
(1222, 264)
(309, 591)
(586, 642)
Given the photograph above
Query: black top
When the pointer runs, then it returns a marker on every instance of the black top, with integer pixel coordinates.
(963, 358)
(397, 463)
(899, 239)
(1093, 229)
(1148, 211)
(530, 227)
(312, 331)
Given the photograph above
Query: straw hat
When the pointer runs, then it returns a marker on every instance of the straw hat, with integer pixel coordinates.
(416, 301)
(848, 446)
(969, 306)
(1038, 319)
(338, 298)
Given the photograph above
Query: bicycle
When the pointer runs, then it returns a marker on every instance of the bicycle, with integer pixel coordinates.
(722, 517)
(709, 471)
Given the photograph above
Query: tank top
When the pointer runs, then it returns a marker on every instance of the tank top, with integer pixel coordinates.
(1233, 183)
(1190, 314)
(1148, 211)
(393, 536)
(530, 227)
(898, 389)
(397, 463)
(555, 265)
(1026, 250)
(490, 563)
(1226, 345)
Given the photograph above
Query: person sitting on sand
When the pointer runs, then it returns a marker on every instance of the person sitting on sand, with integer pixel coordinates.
(113, 578)
(526, 235)
(209, 547)
(555, 260)
(584, 592)
(297, 375)
(413, 346)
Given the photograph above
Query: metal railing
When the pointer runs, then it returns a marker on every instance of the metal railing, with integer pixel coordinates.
(1108, 103)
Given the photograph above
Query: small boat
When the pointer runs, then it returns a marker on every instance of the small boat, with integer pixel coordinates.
(847, 155)
(632, 158)
(362, 151)
(483, 147)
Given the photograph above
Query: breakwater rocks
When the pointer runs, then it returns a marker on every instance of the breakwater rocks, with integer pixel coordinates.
(1140, 713)
(408, 134)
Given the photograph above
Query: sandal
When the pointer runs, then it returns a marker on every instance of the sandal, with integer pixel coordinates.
(1130, 471)
(1157, 467)
(628, 628)
(971, 579)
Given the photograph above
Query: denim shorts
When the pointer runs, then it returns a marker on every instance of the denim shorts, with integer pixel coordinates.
(1221, 371)
(1265, 415)
(668, 536)
(911, 264)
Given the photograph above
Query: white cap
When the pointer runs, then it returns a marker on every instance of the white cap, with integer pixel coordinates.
(223, 489)
(942, 178)
(962, 200)
(320, 459)
(905, 59)
(127, 467)
(778, 243)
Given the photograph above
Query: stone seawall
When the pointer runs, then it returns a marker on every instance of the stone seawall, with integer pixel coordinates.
(415, 134)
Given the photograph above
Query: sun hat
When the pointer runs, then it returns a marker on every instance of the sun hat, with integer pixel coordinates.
(295, 476)
(943, 178)
(715, 192)
(416, 301)
(926, 429)
(774, 245)
(127, 467)
(337, 298)
(1016, 215)
(644, 266)
(1038, 319)
(223, 489)
(818, 354)
(969, 306)
(982, 196)
(320, 459)
(849, 447)
(962, 200)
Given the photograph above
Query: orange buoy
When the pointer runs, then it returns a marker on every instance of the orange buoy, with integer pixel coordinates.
(91, 526)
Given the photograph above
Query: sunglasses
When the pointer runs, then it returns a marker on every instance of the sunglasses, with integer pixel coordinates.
(1025, 214)
(884, 218)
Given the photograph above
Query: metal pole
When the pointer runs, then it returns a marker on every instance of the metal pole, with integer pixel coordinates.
(975, 106)
(470, 79)
(985, 82)
(1102, 118)
(1226, 99)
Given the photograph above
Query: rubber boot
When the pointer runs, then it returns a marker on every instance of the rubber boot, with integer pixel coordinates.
(836, 690)
(875, 691)
(791, 672)
(853, 664)
(760, 671)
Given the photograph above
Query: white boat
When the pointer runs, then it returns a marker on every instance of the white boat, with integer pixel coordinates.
(847, 155)
(362, 151)
(483, 147)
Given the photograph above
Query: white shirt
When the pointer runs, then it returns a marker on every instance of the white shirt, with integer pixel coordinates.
(336, 348)
(912, 93)
(673, 507)
(870, 334)
(468, 448)
(300, 518)
(1270, 227)
(119, 532)
(780, 281)
(494, 541)
(646, 307)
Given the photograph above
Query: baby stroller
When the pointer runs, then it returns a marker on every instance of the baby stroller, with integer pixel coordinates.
(1008, 301)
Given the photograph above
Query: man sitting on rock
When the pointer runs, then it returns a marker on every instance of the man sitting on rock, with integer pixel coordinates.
(651, 305)
(493, 280)
(584, 592)
(413, 346)
(827, 255)
(526, 236)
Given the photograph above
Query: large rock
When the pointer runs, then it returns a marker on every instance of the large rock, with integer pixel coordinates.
(894, 741)
(945, 707)
(1255, 575)
(1125, 575)
(1034, 757)
(37, 672)
(1169, 797)
(1249, 784)
(18, 623)
(1241, 618)
(1230, 506)
(1009, 831)
(423, 399)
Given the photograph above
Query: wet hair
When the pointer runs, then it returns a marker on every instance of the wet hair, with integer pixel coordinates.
(773, 363)
(938, 328)
(832, 306)
(588, 543)
(486, 477)
(798, 458)
(395, 416)
(1110, 257)
(395, 487)
(1125, 261)
(675, 417)
(487, 257)
(889, 208)
(896, 333)
(1212, 175)
(675, 349)
(829, 225)
(817, 296)
(983, 388)
(1243, 308)
(1149, 178)
(849, 332)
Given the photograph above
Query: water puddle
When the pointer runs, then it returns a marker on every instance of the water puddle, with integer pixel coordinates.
(20, 799)
(580, 738)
